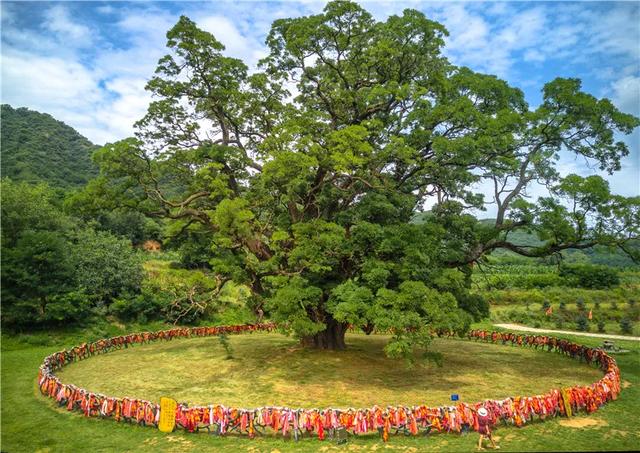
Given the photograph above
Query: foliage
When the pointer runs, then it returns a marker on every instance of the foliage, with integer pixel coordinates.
(27, 207)
(626, 326)
(56, 270)
(226, 345)
(105, 266)
(38, 148)
(590, 276)
(144, 307)
(308, 200)
(582, 323)
(181, 296)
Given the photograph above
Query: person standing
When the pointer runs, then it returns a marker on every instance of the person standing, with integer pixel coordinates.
(484, 428)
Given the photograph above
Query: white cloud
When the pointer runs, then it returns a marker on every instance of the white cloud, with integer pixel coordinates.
(58, 21)
(46, 82)
(626, 94)
(106, 9)
(534, 55)
(236, 44)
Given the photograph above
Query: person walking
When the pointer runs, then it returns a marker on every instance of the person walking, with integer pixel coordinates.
(484, 428)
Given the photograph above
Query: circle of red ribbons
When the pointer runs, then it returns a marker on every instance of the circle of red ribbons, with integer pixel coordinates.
(296, 422)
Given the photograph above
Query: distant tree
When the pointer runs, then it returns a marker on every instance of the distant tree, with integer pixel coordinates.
(27, 207)
(601, 326)
(54, 268)
(590, 275)
(308, 198)
(37, 267)
(626, 326)
(105, 266)
(582, 323)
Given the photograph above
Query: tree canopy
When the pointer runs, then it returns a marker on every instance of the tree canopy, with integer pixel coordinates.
(56, 269)
(303, 176)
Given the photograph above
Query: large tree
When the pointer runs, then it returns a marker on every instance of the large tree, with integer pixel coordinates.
(305, 175)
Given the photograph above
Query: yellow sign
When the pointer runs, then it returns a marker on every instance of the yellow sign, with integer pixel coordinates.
(167, 414)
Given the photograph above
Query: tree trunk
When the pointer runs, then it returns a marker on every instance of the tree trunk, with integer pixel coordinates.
(330, 338)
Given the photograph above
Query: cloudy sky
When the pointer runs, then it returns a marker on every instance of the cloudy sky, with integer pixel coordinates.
(86, 63)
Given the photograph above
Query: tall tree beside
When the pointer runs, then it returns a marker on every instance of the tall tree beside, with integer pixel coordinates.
(306, 196)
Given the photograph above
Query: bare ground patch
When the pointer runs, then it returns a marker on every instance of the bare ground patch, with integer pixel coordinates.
(584, 422)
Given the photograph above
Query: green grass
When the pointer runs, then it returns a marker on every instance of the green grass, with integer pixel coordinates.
(271, 369)
(31, 422)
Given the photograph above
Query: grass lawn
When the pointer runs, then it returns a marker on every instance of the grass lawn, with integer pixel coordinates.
(359, 376)
(271, 369)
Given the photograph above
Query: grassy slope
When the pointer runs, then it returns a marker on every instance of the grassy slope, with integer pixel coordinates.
(31, 422)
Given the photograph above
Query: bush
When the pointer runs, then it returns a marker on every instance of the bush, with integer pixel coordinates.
(474, 304)
(146, 306)
(597, 305)
(546, 305)
(73, 308)
(626, 326)
(580, 304)
(106, 266)
(563, 305)
(590, 276)
(601, 326)
(582, 323)
(614, 305)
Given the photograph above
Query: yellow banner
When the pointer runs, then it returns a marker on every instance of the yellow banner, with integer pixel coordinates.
(167, 414)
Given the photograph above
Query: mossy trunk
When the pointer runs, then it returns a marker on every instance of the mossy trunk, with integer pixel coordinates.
(330, 338)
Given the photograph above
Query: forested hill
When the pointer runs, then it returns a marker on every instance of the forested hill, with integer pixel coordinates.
(37, 147)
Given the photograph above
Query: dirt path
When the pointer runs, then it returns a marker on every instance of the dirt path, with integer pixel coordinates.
(567, 332)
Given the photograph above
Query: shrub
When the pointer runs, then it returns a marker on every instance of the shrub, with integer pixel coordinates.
(106, 266)
(626, 326)
(146, 306)
(580, 304)
(597, 305)
(632, 303)
(474, 304)
(224, 342)
(582, 323)
(563, 305)
(614, 305)
(590, 276)
(73, 308)
(601, 326)
(546, 305)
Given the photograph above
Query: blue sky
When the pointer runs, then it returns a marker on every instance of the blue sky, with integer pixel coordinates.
(86, 63)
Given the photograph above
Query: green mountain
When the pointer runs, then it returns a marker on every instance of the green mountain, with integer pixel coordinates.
(36, 147)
